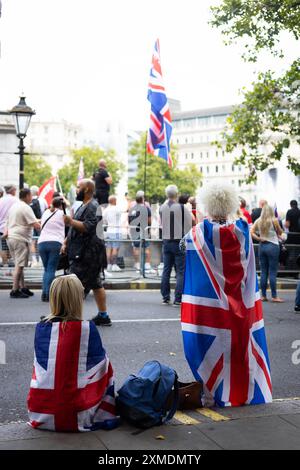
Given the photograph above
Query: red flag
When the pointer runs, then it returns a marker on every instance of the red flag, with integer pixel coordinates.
(46, 191)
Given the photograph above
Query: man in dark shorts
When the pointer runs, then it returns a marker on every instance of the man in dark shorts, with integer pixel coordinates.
(103, 181)
(86, 252)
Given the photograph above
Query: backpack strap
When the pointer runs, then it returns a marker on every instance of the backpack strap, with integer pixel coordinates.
(175, 401)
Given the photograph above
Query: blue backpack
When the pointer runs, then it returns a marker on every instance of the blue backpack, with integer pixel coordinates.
(149, 398)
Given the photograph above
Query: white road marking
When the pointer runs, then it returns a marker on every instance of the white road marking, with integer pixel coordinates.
(133, 320)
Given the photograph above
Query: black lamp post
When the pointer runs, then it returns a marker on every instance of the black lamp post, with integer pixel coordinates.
(22, 115)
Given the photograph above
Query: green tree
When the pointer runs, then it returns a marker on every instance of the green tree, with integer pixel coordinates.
(159, 175)
(68, 173)
(269, 116)
(36, 170)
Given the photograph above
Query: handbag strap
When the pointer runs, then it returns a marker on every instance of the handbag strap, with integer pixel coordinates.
(48, 220)
(175, 401)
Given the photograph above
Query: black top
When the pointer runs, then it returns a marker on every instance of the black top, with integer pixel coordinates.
(100, 183)
(256, 213)
(138, 217)
(90, 214)
(293, 217)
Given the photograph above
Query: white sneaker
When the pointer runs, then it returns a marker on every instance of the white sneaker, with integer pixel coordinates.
(115, 268)
(109, 266)
(137, 266)
(149, 269)
(107, 274)
(160, 269)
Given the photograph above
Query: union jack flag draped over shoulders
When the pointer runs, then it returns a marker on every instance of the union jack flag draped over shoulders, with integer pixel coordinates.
(222, 319)
(72, 386)
(160, 130)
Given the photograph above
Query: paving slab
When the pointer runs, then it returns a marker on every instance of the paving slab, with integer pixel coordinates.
(271, 409)
(176, 437)
(265, 433)
(22, 437)
(292, 419)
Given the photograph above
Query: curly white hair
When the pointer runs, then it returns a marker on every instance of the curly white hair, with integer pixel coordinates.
(220, 200)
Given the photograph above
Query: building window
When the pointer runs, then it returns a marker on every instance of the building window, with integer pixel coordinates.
(201, 169)
(232, 182)
(223, 153)
(192, 156)
(201, 154)
(217, 153)
(240, 168)
(186, 140)
(207, 169)
(217, 169)
(240, 183)
(223, 168)
(232, 168)
(207, 154)
(46, 128)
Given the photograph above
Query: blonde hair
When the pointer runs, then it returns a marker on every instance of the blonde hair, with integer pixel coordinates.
(66, 298)
(265, 221)
(220, 200)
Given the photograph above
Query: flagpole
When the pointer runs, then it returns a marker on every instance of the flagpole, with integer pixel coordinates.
(145, 167)
(59, 185)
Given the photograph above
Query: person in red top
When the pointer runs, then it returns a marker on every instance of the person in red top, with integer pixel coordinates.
(244, 210)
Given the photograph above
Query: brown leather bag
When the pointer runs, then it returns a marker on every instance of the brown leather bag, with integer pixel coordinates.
(190, 395)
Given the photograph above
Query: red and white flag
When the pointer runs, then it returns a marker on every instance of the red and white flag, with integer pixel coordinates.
(47, 190)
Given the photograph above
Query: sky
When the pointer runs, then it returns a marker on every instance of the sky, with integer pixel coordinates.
(88, 61)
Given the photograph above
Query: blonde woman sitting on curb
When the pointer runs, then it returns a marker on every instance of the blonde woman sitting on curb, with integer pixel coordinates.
(268, 232)
(72, 386)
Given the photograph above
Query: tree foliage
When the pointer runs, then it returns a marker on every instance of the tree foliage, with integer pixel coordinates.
(258, 22)
(266, 125)
(159, 175)
(68, 173)
(36, 170)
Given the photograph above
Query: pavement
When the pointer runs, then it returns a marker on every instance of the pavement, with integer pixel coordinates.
(142, 330)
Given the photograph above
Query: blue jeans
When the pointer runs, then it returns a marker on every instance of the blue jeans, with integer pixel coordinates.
(268, 258)
(297, 301)
(172, 256)
(49, 252)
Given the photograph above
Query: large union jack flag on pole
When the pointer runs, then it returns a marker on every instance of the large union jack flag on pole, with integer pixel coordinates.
(222, 318)
(160, 130)
(72, 386)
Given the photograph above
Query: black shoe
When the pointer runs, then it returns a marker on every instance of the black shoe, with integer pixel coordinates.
(44, 297)
(102, 321)
(42, 318)
(297, 308)
(18, 294)
(166, 302)
(27, 291)
(176, 304)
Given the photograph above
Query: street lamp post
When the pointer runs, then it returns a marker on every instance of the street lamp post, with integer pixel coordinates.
(22, 115)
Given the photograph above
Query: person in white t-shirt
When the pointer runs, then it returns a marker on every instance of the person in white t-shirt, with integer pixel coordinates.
(20, 222)
(51, 238)
(112, 219)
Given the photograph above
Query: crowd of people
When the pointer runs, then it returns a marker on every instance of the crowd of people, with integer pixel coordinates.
(32, 231)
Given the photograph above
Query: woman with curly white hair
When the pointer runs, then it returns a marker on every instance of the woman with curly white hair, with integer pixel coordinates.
(222, 319)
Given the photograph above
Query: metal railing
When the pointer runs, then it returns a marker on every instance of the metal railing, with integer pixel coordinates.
(148, 244)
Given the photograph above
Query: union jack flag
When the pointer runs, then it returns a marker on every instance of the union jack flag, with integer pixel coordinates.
(160, 130)
(222, 319)
(72, 386)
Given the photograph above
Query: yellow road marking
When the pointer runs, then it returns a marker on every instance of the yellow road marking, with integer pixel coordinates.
(285, 399)
(185, 419)
(212, 414)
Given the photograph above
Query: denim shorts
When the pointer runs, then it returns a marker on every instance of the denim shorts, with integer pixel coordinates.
(137, 244)
(113, 241)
